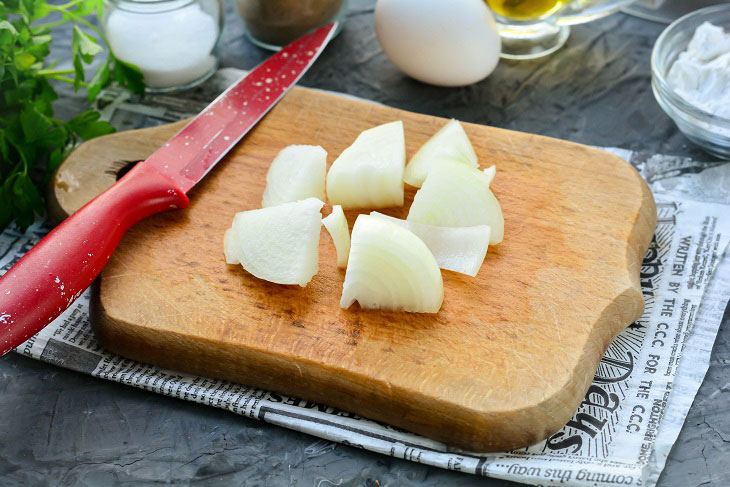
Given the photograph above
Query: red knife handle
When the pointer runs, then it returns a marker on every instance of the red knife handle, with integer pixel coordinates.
(49, 277)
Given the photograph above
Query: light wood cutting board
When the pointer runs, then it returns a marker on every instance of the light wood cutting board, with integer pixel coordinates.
(506, 361)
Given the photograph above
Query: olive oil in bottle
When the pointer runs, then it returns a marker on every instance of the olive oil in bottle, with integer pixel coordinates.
(524, 9)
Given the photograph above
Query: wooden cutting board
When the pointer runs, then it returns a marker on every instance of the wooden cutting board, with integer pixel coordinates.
(504, 364)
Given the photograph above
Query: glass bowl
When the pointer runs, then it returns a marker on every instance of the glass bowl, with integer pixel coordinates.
(666, 11)
(533, 28)
(708, 131)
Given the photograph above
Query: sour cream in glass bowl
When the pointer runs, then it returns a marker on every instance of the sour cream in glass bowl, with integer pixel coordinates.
(691, 78)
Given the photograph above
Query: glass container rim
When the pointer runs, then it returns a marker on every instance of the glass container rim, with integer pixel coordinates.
(174, 5)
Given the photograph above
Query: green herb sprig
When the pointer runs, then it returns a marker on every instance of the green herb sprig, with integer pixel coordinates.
(32, 141)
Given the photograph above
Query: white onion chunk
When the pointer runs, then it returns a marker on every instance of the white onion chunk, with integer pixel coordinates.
(278, 244)
(390, 268)
(456, 195)
(336, 225)
(449, 144)
(458, 249)
(297, 173)
(369, 173)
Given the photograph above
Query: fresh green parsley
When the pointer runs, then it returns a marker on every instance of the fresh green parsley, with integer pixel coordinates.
(32, 142)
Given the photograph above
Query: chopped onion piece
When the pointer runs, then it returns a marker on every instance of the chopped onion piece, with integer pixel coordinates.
(458, 249)
(229, 247)
(491, 171)
(448, 144)
(369, 173)
(279, 243)
(456, 195)
(336, 225)
(390, 268)
(297, 173)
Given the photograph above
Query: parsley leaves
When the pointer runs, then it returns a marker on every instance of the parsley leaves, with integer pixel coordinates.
(32, 142)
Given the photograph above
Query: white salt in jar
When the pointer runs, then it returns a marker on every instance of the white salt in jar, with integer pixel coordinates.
(173, 42)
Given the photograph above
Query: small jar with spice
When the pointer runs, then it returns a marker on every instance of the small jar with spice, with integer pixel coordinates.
(174, 42)
(272, 24)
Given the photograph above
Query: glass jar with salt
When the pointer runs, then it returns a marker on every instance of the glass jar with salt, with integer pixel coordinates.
(173, 42)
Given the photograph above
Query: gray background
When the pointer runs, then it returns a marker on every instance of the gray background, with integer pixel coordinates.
(64, 428)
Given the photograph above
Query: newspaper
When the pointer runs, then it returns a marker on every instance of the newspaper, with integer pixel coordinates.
(630, 416)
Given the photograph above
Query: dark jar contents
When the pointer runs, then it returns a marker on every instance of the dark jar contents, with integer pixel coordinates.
(278, 22)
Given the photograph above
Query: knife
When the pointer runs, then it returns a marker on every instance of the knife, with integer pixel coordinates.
(57, 270)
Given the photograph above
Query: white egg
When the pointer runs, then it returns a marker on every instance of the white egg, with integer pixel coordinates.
(440, 42)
